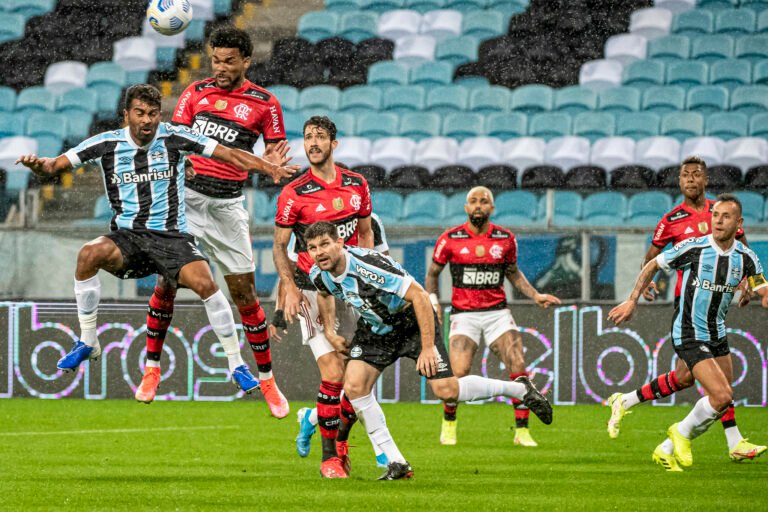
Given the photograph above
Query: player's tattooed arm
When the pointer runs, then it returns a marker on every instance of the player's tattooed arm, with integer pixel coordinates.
(650, 291)
(520, 282)
(432, 285)
(426, 364)
(624, 311)
(365, 233)
(292, 296)
(45, 166)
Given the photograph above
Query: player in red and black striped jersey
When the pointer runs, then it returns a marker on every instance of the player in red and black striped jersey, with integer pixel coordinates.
(481, 256)
(691, 218)
(337, 195)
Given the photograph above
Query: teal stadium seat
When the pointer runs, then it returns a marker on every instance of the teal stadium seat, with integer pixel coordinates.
(508, 6)
(575, 99)
(669, 48)
(423, 6)
(106, 72)
(507, 125)
(758, 6)
(646, 208)
(727, 125)
(707, 99)
(735, 22)
(420, 125)
(532, 99)
(682, 125)
(644, 73)
(465, 6)
(11, 27)
(489, 100)
(448, 98)
(472, 82)
(35, 98)
(432, 74)
(567, 208)
(357, 26)
(222, 7)
(730, 73)
(381, 5)
(78, 126)
(457, 50)
(165, 59)
(516, 208)
(343, 5)
(758, 125)
(483, 24)
(387, 73)
(11, 124)
(377, 125)
(78, 100)
(361, 98)
(195, 31)
(424, 208)
(752, 206)
(617, 100)
(316, 25)
(760, 73)
(257, 203)
(345, 123)
(664, 99)
(695, 22)
(549, 125)
(454, 209)
(687, 73)
(750, 99)
(47, 124)
(138, 76)
(712, 48)
(604, 209)
(321, 97)
(638, 125)
(294, 124)
(287, 95)
(717, 5)
(462, 125)
(594, 125)
(762, 22)
(30, 8)
(7, 99)
(406, 98)
(753, 48)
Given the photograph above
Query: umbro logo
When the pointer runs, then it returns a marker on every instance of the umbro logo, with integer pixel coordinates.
(704, 348)
(687, 230)
(464, 251)
(204, 101)
(320, 208)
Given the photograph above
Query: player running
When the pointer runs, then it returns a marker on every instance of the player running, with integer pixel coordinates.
(713, 266)
(396, 320)
(331, 193)
(144, 180)
(481, 255)
(691, 218)
(233, 111)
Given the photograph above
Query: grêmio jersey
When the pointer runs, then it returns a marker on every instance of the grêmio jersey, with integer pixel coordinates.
(234, 118)
(308, 199)
(144, 184)
(710, 277)
(375, 285)
(478, 266)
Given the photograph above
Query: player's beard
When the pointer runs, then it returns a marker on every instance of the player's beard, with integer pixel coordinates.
(321, 162)
(478, 219)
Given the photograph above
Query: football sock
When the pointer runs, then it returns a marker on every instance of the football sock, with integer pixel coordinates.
(328, 409)
(449, 410)
(522, 413)
(223, 323)
(348, 418)
(87, 296)
(663, 385)
(668, 446)
(372, 417)
(630, 399)
(698, 420)
(313, 416)
(474, 387)
(159, 315)
(732, 434)
(255, 327)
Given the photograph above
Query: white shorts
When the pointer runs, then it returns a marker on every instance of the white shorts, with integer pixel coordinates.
(312, 329)
(483, 325)
(221, 228)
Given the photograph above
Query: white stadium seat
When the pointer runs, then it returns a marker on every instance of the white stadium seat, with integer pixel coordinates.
(657, 152)
(413, 50)
(203, 9)
(612, 152)
(675, 6)
(441, 24)
(625, 48)
(478, 152)
(353, 151)
(13, 147)
(161, 41)
(567, 152)
(709, 148)
(601, 74)
(398, 23)
(391, 152)
(651, 23)
(60, 77)
(436, 152)
(746, 152)
(524, 152)
(135, 53)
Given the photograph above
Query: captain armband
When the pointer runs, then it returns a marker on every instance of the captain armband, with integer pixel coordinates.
(757, 281)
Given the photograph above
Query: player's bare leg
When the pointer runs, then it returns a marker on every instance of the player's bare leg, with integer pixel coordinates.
(509, 349)
(242, 288)
(462, 351)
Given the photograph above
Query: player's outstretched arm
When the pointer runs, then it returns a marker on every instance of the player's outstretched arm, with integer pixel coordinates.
(45, 166)
(432, 285)
(520, 282)
(624, 311)
(248, 162)
(425, 316)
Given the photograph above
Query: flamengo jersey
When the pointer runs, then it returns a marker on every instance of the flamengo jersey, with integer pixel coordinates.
(144, 184)
(683, 223)
(710, 277)
(372, 283)
(308, 199)
(478, 265)
(235, 119)
(379, 238)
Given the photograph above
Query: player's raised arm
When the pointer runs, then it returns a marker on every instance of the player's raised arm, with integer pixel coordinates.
(45, 166)
(252, 163)
(521, 283)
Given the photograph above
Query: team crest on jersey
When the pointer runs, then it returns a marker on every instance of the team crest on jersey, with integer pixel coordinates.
(338, 204)
(354, 201)
(220, 104)
(156, 155)
(125, 160)
(703, 228)
(479, 251)
(496, 252)
(242, 111)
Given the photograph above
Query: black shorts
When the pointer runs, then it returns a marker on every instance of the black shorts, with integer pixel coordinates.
(147, 252)
(693, 352)
(404, 340)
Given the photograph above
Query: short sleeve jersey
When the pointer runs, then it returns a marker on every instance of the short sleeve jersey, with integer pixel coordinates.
(234, 118)
(478, 265)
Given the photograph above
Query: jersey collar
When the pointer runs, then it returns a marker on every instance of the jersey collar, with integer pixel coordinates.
(336, 183)
(132, 143)
(472, 234)
(717, 248)
(694, 212)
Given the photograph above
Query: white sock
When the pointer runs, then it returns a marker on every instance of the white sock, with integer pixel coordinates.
(313, 416)
(87, 296)
(371, 415)
(474, 387)
(265, 375)
(668, 446)
(151, 364)
(629, 399)
(732, 436)
(223, 323)
(698, 420)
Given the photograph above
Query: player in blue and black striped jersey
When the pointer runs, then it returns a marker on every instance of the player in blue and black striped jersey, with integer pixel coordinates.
(713, 266)
(143, 166)
(396, 320)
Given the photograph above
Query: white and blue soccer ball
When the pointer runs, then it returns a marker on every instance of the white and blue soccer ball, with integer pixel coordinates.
(169, 17)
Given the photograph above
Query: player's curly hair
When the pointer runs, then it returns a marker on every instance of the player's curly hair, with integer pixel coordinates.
(323, 122)
(145, 93)
(695, 160)
(228, 36)
(321, 228)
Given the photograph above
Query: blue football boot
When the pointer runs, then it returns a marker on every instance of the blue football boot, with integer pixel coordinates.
(244, 379)
(306, 431)
(79, 353)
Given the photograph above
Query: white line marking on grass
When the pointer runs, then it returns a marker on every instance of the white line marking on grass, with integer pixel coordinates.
(115, 431)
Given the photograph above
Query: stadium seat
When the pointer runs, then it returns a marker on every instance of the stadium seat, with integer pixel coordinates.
(735, 22)
(600, 74)
(409, 177)
(506, 126)
(746, 152)
(457, 50)
(762, 22)
(750, 99)
(80, 100)
(387, 73)
(424, 208)
(524, 152)
(541, 177)
(10, 125)
(353, 151)
(497, 177)
(651, 22)
(670, 48)
(687, 73)
(316, 25)
(760, 73)
(387, 205)
(668, 178)
(12, 147)
(532, 99)
(454, 209)
(7, 99)
(462, 125)
(106, 72)
(135, 53)
(682, 125)
(483, 24)
(358, 25)
(724, 178)
(644, 73)
(35, 99)
(712, 48)
(517, 202)
(203, 9)
(717, 5)
(707, 99)
(360, 99)
(625, 48)
(441, 23)
(657, 152)
(696, 22)
(346, 124)
(575, 99)
(709, 148)
(398, 23)
(466, 6)
(447, 99)
(638, 125)
(420, 125)
(585, 177)
(17, 181)
(662, 100)
(452, 177)
(594, 125)
(567, 152)
(730, 73)
(727, 125)
(435, 152)
(109, 96)
(549, 125)
(381, 5)
(479, 152)
(632, 177)
(30, 8)
(617, 100)
(432, 74)
(676, 6)
(294, 124)
(374, 50)
(375, 175)
(320, 97)
(489, 100)
(406, 98)
(753, 48)
(752, 206)
(423, 6)
(78, 126)
(758, 125)
(757, 179)
(65, 75)
(646, 208)
(391, 152)
(11, 27)
(567, 208)
(377, 125)
(603, 209)
(287, 96)
(612, 152)
(257, 203)
(413, 50)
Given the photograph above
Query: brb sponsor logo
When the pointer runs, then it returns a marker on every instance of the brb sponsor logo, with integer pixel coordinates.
(481, 277)
(347, 229)
(215, 130)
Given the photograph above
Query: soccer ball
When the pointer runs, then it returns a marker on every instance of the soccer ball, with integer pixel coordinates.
(169, 17)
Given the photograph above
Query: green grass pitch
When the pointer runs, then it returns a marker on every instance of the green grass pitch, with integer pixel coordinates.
(121, 455)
